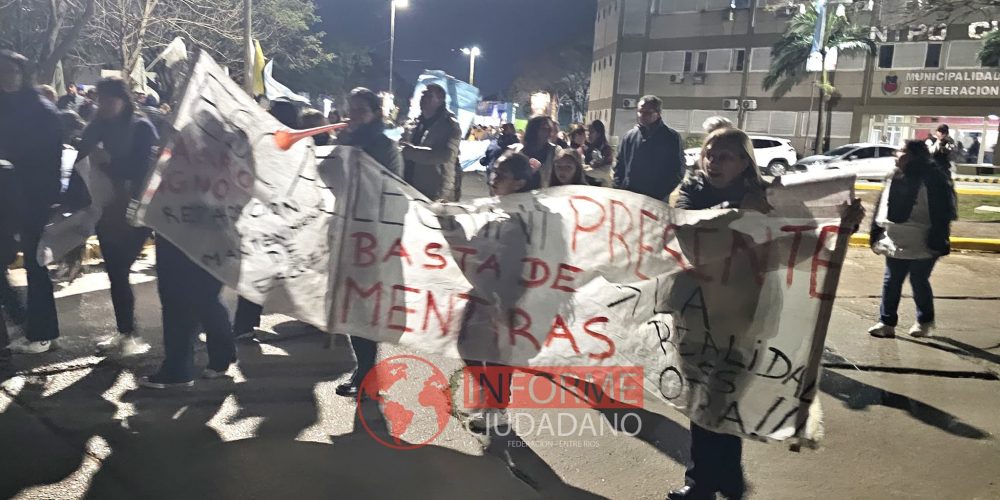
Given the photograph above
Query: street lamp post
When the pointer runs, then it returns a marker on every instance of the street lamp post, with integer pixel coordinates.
(473, 53)
(394, 4)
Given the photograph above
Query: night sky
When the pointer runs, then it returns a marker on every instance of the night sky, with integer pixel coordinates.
(430, 33)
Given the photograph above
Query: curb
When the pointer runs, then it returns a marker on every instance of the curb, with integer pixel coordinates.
(958, 190)
(984, 180)
(957, 243)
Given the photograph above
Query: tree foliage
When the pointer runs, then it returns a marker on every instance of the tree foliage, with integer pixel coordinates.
(989, 55)
(790, 54)
(565, 73)
(115, 33)
(45, 31)
(348, 67)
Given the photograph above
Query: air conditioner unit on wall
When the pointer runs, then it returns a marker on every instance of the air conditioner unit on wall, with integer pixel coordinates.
(730, 104)
(628, 103)
(750, 104)
(677, 78)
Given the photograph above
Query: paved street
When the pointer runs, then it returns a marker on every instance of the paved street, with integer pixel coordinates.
(904, 419)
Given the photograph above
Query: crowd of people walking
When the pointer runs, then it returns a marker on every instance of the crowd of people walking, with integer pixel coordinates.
(111, 127)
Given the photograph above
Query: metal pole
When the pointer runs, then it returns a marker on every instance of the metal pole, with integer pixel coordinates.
(248, 56)
(741, 114)
(392, 39)
(472, 68)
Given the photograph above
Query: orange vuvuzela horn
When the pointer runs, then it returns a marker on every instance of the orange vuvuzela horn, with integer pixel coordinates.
(285, 138)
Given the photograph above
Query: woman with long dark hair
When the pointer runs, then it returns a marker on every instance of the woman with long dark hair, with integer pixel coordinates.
(911, 228)
(539, 150)
(129, 140)
(567, 169)
(598, 156)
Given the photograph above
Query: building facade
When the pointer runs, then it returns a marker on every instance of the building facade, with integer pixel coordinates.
(709, 57)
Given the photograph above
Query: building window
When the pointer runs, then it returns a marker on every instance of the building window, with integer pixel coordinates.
(702, 61)
(676, 6)
(909, 55)
(718, 60)
(760, 59)
(933, 58)
(885, 56)
(739, 59)
(687, 61)
(964, 54)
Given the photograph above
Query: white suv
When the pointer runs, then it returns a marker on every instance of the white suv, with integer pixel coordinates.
(773, 154)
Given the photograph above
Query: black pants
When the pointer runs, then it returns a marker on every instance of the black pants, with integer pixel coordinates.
(247, 316)
(716, 463)
(42, 322)
(365, 350)
(189, 296)
(10, 302)
(120, 248)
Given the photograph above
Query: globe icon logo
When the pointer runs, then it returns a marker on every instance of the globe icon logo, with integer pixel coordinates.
(415, 399)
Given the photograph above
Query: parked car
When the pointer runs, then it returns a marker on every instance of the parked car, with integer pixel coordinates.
(868, 161)
(774, 155)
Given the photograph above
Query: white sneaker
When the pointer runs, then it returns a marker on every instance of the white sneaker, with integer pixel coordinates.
(921, 329)
(25, 346)
(211, 374)
(132, 345)
(882, 331)
(109, 342)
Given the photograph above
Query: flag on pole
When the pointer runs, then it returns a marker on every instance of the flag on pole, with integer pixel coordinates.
(275, 90)
(815, 62)
(258, 69)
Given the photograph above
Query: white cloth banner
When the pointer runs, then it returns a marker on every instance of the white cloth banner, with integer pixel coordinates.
(725, 311)
(67, 231)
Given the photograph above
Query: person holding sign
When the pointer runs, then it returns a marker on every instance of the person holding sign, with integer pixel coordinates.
(727, 178)
(129, 139)
(365, 132)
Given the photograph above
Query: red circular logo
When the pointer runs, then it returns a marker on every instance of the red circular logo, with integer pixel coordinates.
(410, 391)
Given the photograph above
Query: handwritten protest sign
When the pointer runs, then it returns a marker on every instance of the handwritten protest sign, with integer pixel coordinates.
(725, 311)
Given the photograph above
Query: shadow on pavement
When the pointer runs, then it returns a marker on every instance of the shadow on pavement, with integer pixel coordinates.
(667, 436)
(967, 349)
(859, 396)
(170, 444)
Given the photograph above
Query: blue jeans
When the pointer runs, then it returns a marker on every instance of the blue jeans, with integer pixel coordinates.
(896, 271)
(189, 296)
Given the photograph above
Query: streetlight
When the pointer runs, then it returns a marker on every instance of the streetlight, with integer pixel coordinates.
(394, 4)
(473, 53)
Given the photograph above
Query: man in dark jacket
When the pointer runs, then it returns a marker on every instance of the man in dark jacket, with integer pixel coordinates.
(71, 101)
(31, 139)
(430, 148)
(650, 156)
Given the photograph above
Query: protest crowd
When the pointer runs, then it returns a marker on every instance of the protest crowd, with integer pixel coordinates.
(119, 131)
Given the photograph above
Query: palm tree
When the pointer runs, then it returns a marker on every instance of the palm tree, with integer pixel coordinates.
(989, 55)
(790, 53)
